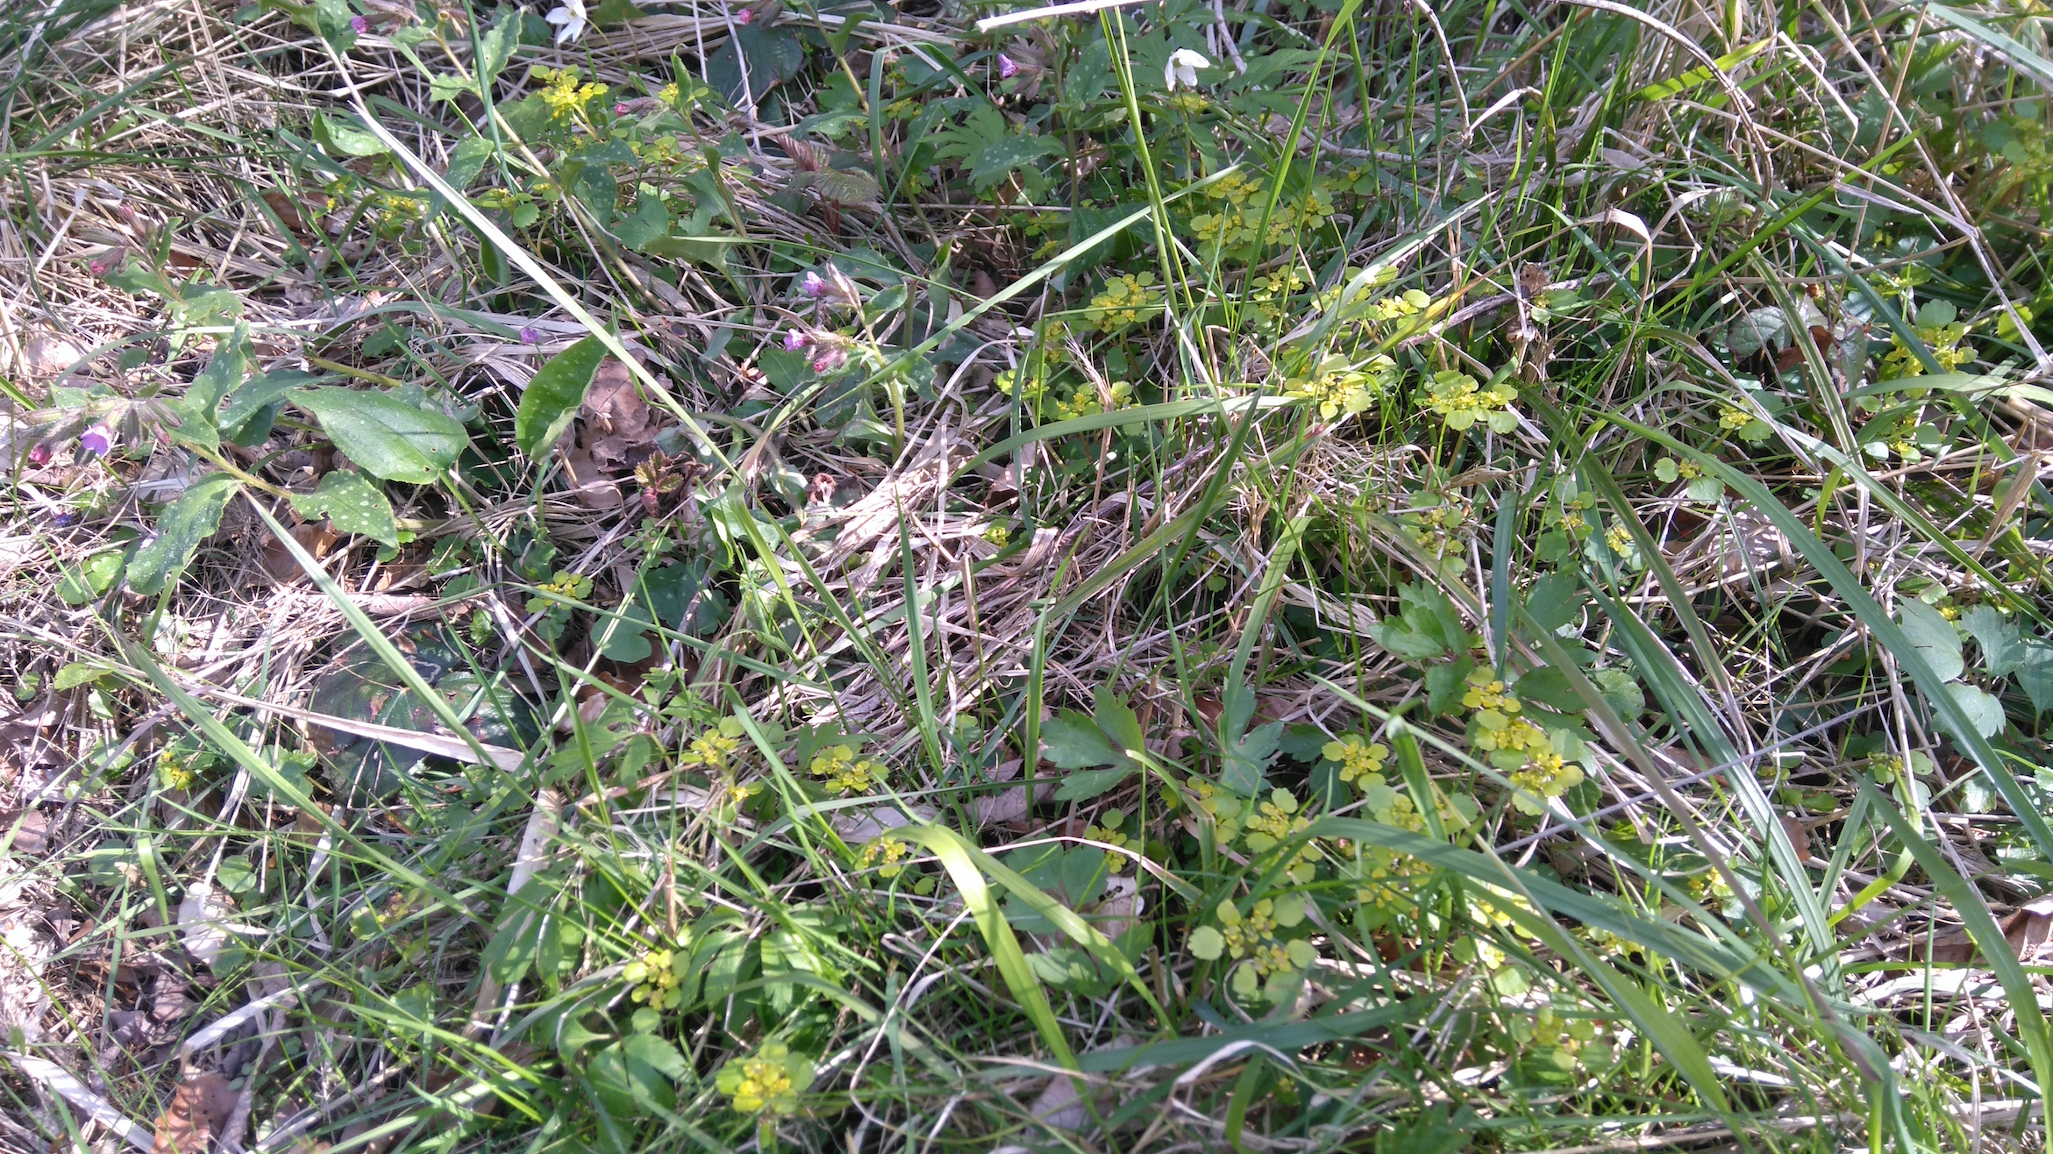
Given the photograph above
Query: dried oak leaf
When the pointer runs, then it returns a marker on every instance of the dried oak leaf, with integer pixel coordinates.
(197, 1110)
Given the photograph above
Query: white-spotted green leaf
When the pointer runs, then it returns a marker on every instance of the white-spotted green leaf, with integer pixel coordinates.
(386, 437)
(180, 528)
(553, 396)
(353, 505)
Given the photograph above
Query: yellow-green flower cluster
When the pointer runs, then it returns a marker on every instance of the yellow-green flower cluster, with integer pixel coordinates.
(1387, 880)
(846, 773)
(1359, 760)
(711, 749)
(771, 1081)
(1732, 419)
(1486, 690)
(1222, 808)
(1338, 386)
(1439, 527)
(1526, 753)
(1942, 341)
(564, 95)
(1252, 936)
(658, 979)
(1125, 301)
(1275, 821)
(1271, 294)
(174, 769)
(1618, 538)
(1086, 401)
(887, 856)
(1110, 829)
(563, 583)
(1408, 303)
(1461, 401)
(998, 534)
(1242, 200)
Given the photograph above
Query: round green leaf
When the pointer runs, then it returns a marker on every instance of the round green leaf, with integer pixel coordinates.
(1207, 943)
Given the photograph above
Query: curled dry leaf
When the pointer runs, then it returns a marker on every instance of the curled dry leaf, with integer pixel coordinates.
(198, 1108)
(595, 491)
(48, 354)
(316, 537)
(619, 427)
(31, 830)
(2028, 930)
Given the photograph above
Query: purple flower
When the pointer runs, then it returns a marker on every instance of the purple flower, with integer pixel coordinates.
(1007, 67)
(359, 25)
(97, 440)
(39, 454)
(530, 335)
(813, 285)
(795, 340)
(745, 16)
(620, 108)
(66, 520)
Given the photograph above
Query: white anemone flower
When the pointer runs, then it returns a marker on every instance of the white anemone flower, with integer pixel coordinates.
(569, 19)
(1183, 68)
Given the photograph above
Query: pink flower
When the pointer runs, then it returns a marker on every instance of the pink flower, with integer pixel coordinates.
(39, 454)
(97, 440)
(745, 16)
(530, 335)
(106, 262)
(795, 340)
(813, 285)
(620, 108)
(1007, 67)
(828, 358)
(359, 25)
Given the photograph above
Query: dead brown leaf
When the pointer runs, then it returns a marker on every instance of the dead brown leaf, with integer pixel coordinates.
(31, 829)
(595, 491)
(198, 1108)
(613, 407)
(47, 354)
(2028, 930)
(316, 537)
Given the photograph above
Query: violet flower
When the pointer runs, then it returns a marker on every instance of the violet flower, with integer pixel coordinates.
(530, 335)
(1007, 67)
(97, 440)
(813, 285)
(359, 25)
(795, 340)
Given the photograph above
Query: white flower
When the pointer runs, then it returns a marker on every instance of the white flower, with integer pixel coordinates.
(570, 20)
(1183, 69)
